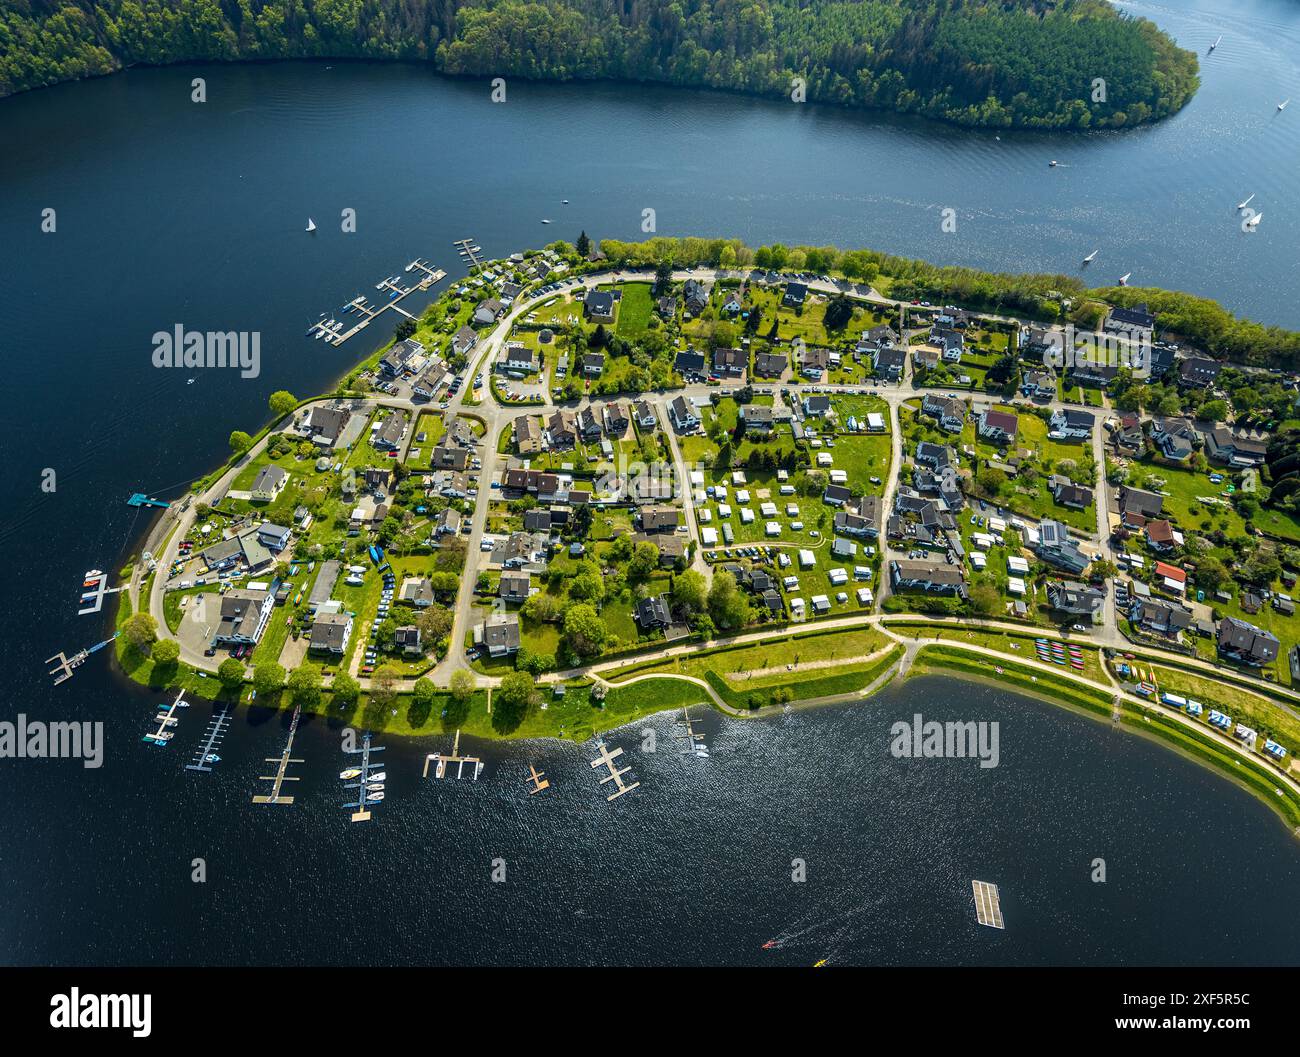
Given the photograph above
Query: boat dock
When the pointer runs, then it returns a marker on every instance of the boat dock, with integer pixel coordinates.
(64, 665)
(691, 748)
(140, 499)
(441, 770)
(92, 596)
(363, 780)
(284, 759)
(166, 718)
(336, 331)
(538, 780)
(469, 251)
(206, 755)
(988, 904)
(606, 759)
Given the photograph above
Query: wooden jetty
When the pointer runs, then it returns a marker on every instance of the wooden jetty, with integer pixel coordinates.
(440, 771)
(64, 665)
(206, 754)
(336, 332)
(166, 718)
(470, 251)
(606, 759)
(362, 803)
(284, 759)
(691, 738)
(988, 904)
(538, 779)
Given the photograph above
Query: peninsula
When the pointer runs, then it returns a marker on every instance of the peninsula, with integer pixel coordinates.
(1071, 64)
(592, 482)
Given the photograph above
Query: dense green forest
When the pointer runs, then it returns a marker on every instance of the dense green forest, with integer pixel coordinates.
(1031, 63)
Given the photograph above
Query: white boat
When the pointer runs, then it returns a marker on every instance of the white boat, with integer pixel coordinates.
(374, 798)
(1123, 279)
(381, 776)
(1282, 105)
(376, 787)
(1091, 257)
(350, 773)
(544, 221)
(1052, 164)
(212, 757)
(311, 224)
(566, 201)
(1217, 42)
(1243, 205)
(189, 381)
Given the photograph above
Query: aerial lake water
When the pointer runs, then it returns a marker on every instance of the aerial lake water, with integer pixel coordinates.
(171, 212)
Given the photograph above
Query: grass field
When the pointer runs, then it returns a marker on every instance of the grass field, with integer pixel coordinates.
(634, 310)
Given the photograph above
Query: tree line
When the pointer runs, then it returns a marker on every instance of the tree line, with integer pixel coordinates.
(1072, 64)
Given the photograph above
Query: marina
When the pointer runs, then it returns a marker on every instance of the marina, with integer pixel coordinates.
(607, 759)
(440, 771)
(281, 776)
(166, 719)
(206, 754)
(369, 787)
(336, 331)
(988, 904)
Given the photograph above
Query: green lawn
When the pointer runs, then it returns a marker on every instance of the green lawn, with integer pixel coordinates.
(634, 310)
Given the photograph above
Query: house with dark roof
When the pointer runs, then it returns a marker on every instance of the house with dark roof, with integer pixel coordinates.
(1239, 452)
(1056, 548)
(498, 635)
(689, 363)
(244, 616)
(949, 412)
(515, 587)
(593, 363)
(888, 362)
(730, 363)
(1243, 642)
(1069, 494)
(1093, 373)
(950, 343)
(813, 363)
(863, 521)
(1076, 600)
(463, 341)
(1136, 320)
(528, 435)
(659, 519)
(769, 364)
(816, 405)
(1159, 616)
(795, 295)
(1174, 437)
(1073, 424)
(330, 633)
(653, 612)
(1136, 501)
(927, 577)
(1198, 372)
(489, 311)
(683, 414)
(644, 414)
(695, 297)
(836, 495)
(758, 418)
(388, 437)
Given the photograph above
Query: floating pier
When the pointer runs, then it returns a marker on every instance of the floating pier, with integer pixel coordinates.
(538, 780)
(467, 249)
(140, 499)
(691, 747)
(94, 586)
(64, 665)
(206, 754)
(988, 904)
(335, 332)
(166, 718)
(363, 780)
(441, 770)
(285, 758)
(606, 759)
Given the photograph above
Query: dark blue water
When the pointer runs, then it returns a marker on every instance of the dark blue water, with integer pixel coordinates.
(171, 212)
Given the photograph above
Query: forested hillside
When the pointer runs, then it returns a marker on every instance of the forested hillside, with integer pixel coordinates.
(970, 61)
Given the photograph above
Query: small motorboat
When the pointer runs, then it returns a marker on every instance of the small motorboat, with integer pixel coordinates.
(566, 202)
(545, 221)
(349, 774)
(375, 787)
(1243, 205)
(1052, 164)
(1217, 42)
(311, 224)
(374, 798)
(1282, 105)
(212, 757)
(377, 777)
